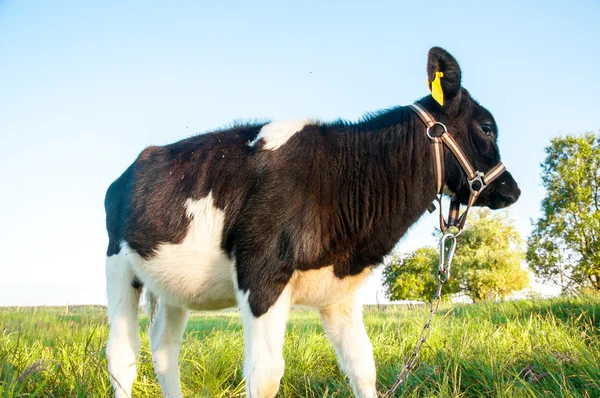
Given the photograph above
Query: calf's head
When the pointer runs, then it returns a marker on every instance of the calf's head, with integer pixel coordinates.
(474, 129)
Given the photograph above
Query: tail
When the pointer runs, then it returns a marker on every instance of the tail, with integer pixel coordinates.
(151, 306)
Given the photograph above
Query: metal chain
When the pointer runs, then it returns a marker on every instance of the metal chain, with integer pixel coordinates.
(442, 276)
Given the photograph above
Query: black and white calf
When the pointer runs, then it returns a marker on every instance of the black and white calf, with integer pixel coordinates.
(264, 216)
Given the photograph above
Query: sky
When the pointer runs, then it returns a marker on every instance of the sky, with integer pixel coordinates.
(86, 85)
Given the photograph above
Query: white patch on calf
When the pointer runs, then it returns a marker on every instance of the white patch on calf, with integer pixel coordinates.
(196, 273)
(263, 345)
(276, 134)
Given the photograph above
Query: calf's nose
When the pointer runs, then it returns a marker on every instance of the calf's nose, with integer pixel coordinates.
(513, 196)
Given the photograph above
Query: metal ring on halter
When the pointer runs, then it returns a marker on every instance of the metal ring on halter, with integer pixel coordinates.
(478, 178)
(436, 123)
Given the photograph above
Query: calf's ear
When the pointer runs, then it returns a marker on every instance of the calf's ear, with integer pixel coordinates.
(443, 74)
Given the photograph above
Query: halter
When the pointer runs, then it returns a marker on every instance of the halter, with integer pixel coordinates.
(478, 181)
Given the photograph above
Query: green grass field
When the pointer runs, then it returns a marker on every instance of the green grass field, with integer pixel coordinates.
(514, 349)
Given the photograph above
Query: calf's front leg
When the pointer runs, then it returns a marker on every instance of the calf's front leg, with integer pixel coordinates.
(343, 324)
(263, 345)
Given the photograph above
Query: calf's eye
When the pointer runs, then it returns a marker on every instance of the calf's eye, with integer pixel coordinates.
(486, 128)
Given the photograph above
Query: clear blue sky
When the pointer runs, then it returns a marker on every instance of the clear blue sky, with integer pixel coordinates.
(86, 85)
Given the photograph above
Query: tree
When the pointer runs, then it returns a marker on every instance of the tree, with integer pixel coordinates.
(489, 256)
(411, 276)
(487, 264)
(564, 246)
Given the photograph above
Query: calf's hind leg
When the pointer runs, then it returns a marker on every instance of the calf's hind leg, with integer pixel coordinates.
(165, 333)
(123, 341)
(344, 326)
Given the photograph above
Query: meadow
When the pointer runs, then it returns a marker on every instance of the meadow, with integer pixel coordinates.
(531, 348)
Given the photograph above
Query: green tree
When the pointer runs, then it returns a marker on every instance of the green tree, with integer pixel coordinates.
(487, 263)
(489, 256)
(564, 246)
(411, 276)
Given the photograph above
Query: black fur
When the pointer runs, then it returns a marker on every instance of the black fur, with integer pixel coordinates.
(136, 283)
(338, 194)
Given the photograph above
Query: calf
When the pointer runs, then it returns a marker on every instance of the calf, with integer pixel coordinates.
(264, 216)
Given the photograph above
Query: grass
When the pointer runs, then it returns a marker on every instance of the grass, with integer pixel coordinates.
(514, 349)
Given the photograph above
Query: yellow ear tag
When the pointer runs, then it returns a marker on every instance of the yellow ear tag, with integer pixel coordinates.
(436, 88)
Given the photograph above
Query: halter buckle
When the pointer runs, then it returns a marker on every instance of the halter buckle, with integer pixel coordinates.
(477, 184)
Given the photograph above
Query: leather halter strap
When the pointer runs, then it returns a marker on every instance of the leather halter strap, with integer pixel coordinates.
(478, 181)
